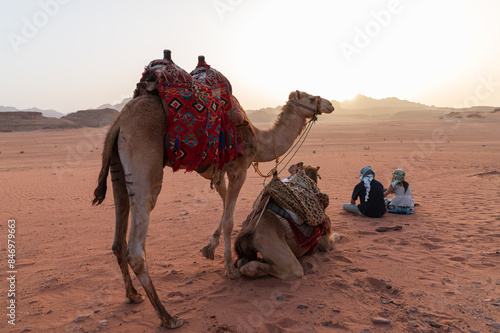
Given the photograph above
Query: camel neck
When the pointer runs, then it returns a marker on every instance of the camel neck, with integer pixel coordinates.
(282, 134)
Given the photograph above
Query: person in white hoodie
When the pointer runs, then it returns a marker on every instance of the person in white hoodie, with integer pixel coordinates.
(403, 202)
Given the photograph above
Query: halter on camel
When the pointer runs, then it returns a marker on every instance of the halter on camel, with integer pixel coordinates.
(274, 171)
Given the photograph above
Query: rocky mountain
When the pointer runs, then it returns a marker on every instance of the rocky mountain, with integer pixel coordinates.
(265, 115)
(15, 121)
(118, 106)
(364, 102)
(45, 113)
(365, 108)
(92, 118)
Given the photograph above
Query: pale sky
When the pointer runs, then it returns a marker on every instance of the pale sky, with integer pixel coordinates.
(69, 55)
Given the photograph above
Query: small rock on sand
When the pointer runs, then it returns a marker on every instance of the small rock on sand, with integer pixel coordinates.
(412, 323)
(494, 325)
(302, 306)
(81, 318)
(381, 321)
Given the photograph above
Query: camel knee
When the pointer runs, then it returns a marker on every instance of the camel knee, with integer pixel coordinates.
(154, 196)
(296, 272)
(137, 262)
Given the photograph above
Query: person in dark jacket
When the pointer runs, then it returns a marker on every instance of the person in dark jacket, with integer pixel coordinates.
(370, 193)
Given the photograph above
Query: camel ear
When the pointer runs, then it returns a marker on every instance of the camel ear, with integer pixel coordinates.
(317, 168)
(293, 169)
(294, 95)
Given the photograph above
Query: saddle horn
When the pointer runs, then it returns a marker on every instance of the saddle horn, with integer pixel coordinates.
(201, 61)
(167, 55)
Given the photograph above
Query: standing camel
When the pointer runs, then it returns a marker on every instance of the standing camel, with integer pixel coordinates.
(134, 154)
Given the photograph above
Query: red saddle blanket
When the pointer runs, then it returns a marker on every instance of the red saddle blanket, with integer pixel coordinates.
(200, 128)
(312, 241)
(306, 236)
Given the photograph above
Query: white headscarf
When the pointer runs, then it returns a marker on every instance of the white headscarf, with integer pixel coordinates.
(367, 175)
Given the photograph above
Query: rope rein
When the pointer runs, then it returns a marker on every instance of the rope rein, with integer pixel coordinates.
(270, 173)
(299, 142)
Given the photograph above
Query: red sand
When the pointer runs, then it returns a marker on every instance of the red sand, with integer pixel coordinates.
(441, 269)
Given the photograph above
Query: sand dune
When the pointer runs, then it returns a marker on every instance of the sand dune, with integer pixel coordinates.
(438, 274)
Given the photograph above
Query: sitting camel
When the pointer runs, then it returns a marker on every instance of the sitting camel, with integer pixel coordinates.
(134, 154)
(271, 236)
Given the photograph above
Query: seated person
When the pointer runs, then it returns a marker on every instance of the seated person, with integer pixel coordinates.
(402, 203)
(371, 195)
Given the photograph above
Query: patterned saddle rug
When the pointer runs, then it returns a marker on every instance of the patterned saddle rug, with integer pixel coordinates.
(201, 130)
(300, 204)
(300, 195)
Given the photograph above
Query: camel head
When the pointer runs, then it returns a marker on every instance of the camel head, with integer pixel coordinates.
(308, 105)
(309, 170)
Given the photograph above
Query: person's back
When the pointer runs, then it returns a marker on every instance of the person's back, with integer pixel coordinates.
(402, 203)
(375, 205)
(372, 204)
(402, 198)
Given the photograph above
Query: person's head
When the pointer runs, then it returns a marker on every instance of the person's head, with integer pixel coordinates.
(398, 178)
(366, 176)
(365, 172)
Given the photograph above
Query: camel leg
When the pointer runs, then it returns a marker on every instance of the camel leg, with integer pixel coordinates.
(284, 266)
(236, 181)
(269, 240)
(143, 175)
(209, 250)
(122, 209)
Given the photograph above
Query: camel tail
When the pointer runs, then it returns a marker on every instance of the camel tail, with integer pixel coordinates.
(109, 144)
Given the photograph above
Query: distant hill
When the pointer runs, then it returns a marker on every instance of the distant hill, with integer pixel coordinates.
(118, 106)
(366, 108)
(45, 113)
(92, 118)
(264, 115)
(20, 121)
(365, 102)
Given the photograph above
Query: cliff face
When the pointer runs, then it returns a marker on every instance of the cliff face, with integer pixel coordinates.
(30, 121)
(92, 118)
(19, 121)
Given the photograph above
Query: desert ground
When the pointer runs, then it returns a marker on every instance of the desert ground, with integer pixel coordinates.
(440, 273)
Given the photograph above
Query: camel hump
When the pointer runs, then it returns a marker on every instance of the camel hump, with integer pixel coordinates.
(239, 115)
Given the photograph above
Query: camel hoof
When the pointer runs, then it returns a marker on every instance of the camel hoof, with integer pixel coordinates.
(135, 299)
(232, 273)
(208, 252)
(174, 322)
